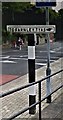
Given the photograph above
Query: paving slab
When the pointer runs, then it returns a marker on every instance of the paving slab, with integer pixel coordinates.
(20, 100)
(53, 111)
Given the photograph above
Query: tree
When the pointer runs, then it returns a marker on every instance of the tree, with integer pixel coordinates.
(53, 15)
(16, 6)
(60, 12)
(19, 7)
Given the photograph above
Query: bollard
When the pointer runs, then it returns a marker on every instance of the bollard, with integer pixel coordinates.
(31, 69)
(48, 85)
(20, 47)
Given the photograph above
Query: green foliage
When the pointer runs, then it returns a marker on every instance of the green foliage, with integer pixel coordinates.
(10, 37)
(53, 15)
(20, 6)
(60, 12)
(40, 10)
(17, 6)
(7, 36)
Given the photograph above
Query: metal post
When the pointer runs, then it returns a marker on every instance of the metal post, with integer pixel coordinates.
(40, 100)
(31, 68)
(48, 70)
(35, 38)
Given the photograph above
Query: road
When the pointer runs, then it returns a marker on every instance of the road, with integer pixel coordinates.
(15, 62)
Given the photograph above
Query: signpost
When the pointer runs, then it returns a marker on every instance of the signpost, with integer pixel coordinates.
(48, 70)
(47, 4)
(31, 29)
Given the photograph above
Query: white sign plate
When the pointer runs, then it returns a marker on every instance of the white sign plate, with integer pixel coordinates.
(30, 29)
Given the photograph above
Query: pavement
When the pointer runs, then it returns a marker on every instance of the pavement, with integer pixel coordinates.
(15, 102)
(54, 111)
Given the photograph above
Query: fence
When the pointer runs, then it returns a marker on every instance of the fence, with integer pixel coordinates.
(40, 100)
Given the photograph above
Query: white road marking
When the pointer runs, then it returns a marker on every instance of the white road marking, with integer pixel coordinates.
(4, 57)
(7, 61)
(18, 58)
(23, 56)
(42, 51)
(56, 52)
(37, 57)
(45, 60)
(58, 48)
(52, 51)
(15, 58)
(40, 64)
(10, 59)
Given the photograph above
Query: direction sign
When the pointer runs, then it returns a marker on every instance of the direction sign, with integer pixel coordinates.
(45, 3)
(31, 29)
